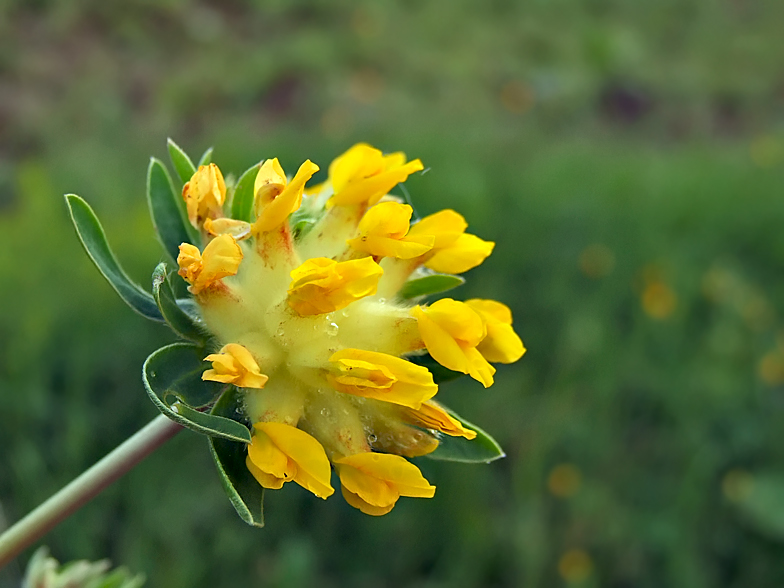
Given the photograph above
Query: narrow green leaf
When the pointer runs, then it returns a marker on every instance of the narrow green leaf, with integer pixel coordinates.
(245, 493)
(440, 373)
(206, 158)
(180, 321)
(427, 285)
(167, 210)
(182, 163)
(482, 449)
(93, 238)
(172, 377)
(242, 201)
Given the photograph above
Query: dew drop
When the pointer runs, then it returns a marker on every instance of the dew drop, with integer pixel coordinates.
(280, 332)
(326, 413)
(332, 329)
(382, 300)
(372, 438)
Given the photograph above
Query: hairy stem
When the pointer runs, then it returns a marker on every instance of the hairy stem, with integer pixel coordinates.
(84, 488)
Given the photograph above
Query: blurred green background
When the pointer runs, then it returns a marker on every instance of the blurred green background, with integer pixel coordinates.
(627, 158)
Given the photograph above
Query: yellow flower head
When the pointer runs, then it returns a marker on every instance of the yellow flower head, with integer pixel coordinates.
(362, 175)
(322, 285)
(451, 331)
(454, 251)
(235, 365)
(383, 233)
(221, 258)
(373, 482)
(306, 303)
(204, 194)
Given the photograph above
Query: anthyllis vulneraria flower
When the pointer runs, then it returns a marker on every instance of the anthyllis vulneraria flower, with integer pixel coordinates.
(308, 305)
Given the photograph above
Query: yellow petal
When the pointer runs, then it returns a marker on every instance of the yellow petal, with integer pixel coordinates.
(381, 376)
(363, 175)
(382, 233)
(355, 501)
(312, 470)
(502, 344)
(266, 480)
(270, 174)
(458, 319)
(431, 416)
(445, 226)
(221, 258)
(380, 478)
(491, 309)
(361, 161)
(370, 190)
(189, 261)
(370, 489)
(478, 368)
(272, 214)
(322, 285)
(450, 331)
(269, 458)
(204, 194)
(227, 226)
(465, 253)
(361, 374)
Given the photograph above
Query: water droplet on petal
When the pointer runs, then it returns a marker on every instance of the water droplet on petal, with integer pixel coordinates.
(382, 300)
(372, 438)
(332, 329)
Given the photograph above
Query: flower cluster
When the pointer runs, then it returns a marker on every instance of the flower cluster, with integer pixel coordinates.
(304, 299)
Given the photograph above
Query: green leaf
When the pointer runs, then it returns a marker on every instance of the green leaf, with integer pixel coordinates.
(432, 284)
(167, 210)
(242, 202)
(440, 373)
(182, 163)
(181, 322)
(93, 238)
(206, 158)
(172, 377)
(482, 449)
(245, 493)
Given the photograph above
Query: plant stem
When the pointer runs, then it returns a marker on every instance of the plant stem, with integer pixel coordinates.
(84, 488)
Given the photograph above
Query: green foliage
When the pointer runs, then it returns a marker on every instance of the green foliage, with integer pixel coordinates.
(93, 238)
(181, 162)
(46, 572)
(168, 210)
(482, 449)
(245, 493)
(184, 324)
(428, 285)
(242, 201)
(172, 377)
